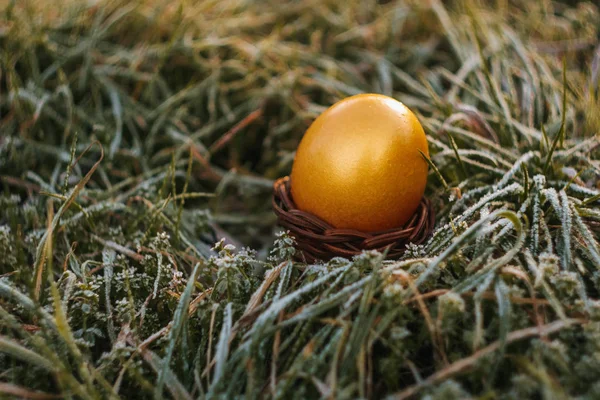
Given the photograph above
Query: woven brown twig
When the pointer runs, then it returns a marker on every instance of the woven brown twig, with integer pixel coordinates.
(318, 240)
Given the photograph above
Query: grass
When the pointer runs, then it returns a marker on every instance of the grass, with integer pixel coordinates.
(134, 136)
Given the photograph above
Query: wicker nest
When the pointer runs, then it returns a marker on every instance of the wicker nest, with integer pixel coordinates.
(318, 240)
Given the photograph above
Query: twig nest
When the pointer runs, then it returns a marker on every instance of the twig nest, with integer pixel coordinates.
(319, 240)
(360, 165)
(358, 181)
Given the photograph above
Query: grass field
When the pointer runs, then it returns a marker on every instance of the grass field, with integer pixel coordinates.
(134, 136)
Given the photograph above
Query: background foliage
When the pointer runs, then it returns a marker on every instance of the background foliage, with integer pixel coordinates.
(136, 135)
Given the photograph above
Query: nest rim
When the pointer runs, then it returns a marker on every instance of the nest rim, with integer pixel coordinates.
(317, 240)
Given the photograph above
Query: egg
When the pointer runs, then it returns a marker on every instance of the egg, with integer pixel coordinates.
(358, 165)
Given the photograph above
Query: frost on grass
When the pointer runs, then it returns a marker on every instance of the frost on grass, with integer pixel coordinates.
(502, 300)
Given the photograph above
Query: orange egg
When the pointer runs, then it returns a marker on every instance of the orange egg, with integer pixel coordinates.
(358, 165)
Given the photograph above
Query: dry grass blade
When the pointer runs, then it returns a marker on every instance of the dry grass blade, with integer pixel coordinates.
(42, 249)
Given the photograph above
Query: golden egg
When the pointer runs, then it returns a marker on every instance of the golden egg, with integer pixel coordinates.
(358, 165)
